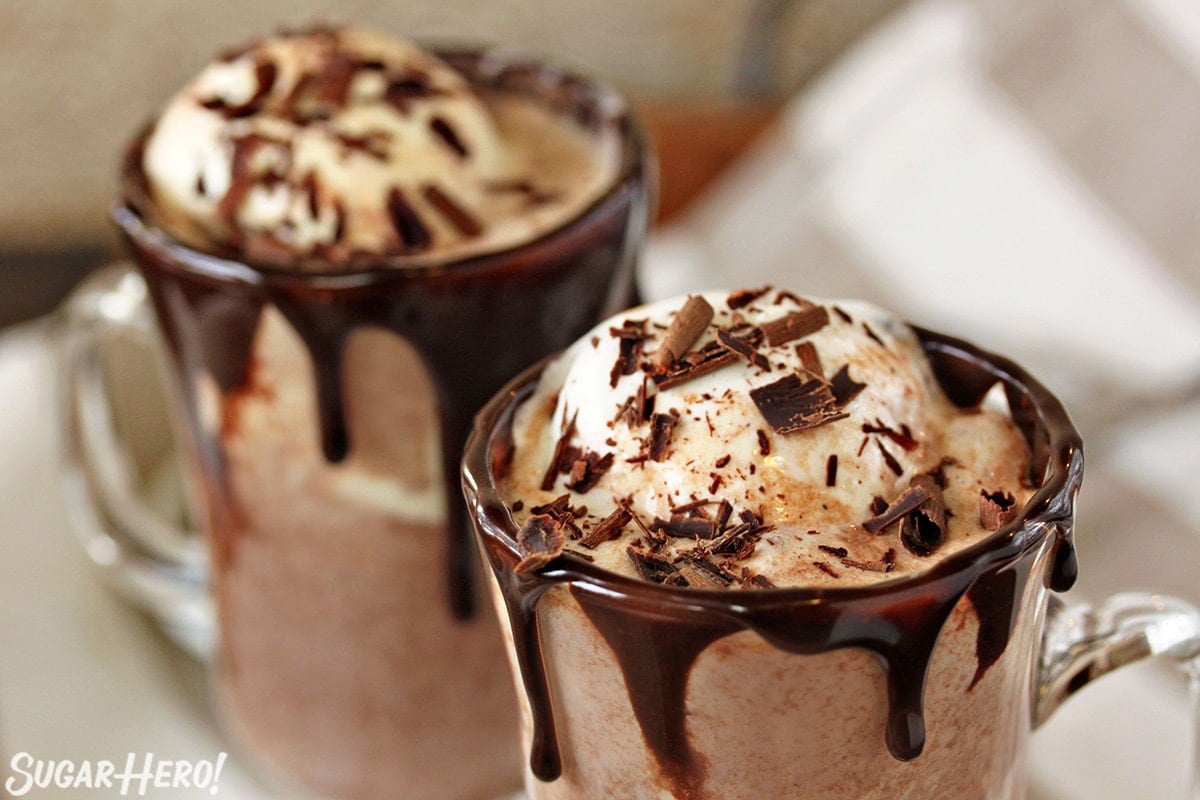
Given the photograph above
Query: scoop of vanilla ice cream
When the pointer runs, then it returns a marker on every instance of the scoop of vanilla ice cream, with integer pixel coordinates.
(818, 416)
(338, 143)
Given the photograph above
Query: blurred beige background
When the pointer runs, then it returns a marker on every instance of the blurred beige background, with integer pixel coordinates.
(77, 78)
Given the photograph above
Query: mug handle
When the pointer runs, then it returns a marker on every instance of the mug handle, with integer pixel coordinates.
(1084, 642)
(152, 562)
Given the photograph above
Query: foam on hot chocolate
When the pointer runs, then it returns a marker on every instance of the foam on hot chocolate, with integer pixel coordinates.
(336, 145)
(781, 441)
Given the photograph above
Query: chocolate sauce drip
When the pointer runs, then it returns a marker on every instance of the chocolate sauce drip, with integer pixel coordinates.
(994, 598)
(656, 656)
(475, 323)
(656, 632)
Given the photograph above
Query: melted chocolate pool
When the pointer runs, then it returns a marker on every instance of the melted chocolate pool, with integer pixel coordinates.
(475, 322)
(656, 631)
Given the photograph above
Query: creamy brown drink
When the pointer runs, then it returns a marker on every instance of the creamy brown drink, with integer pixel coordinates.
(759, 545)
(350, 244)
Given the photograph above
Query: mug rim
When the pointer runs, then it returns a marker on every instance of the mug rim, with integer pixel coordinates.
(636, 173)
(1050, 509)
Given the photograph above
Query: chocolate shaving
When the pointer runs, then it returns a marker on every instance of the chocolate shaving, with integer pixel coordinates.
(917, 493)
(265, 73)
(562, 459)
(795, 325)
(700, 573)
(533, 195)
(828, 570)
(756, 581)
(636, 409)
(996, 509)
(886, 563)
(837, 552)
(661, 426)
(557, 508)
(844, 387)
(922, 512)
(541, 539)
(654, 568)
(809, 360)
(401, 92)
(455, 214)
(889, 459)
(744, 347)
(685, 527)
(902, 437)
(373, 144)
(744, 297)
(689, 322)
(413, 233)
(632, 335)
(831, 470)
(764, 442)
(791, 404)
(587, 470)
(846, 318)
(695, 363)
(607, 529)
(445, 131)
(874, 337)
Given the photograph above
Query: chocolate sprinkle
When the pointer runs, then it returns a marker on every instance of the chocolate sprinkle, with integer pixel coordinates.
(764, 442)
(831, 470)
(791, 404)
(541, 539)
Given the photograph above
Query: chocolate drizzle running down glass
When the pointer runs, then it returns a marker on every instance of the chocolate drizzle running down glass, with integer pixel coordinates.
(326, 389)
(656, 632)
(475, 322)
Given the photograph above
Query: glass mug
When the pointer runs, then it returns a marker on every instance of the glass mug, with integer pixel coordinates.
(923, 686)
(321, 420)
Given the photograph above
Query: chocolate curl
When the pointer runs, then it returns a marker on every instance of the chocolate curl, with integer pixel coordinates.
(685, 329)
(996, 509)
(541, 540)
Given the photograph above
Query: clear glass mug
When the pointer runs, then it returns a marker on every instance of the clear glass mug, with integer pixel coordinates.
(918, 687)
(320, 420)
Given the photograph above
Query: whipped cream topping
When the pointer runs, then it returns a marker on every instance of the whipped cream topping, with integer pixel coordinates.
(317, 148)
(785, 441)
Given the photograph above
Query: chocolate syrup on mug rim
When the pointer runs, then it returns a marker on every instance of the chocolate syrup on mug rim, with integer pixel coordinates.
(656, 631)
(475, 321)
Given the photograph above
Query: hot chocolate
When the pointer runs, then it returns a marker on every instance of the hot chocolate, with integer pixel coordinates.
(759, 545)
(350, 244)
